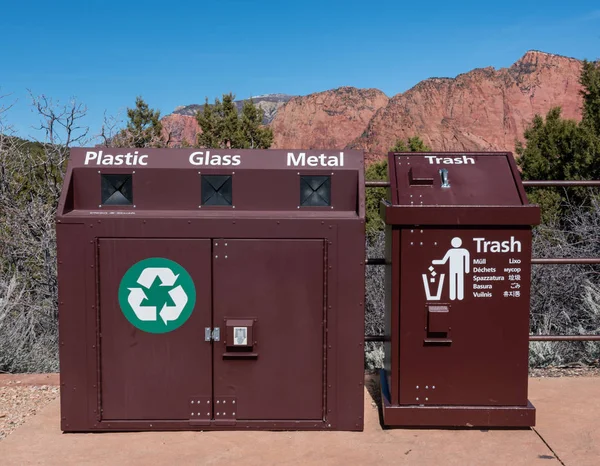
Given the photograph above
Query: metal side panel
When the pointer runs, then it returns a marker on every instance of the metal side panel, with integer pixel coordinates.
(144, 375)
(78, 385)
(464, 317)
(269, 304)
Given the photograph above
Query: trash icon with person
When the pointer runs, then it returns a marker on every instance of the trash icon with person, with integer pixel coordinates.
(458, 260)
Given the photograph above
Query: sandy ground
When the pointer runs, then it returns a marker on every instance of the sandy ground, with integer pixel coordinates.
(567, 432)
(23, 395)
(570, 371)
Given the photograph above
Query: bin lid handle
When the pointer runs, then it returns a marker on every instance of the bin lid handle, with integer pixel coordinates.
(444, 176)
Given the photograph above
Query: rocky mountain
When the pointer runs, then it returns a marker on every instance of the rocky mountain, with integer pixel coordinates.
(330, 119)
(484, 109)
(270, 103)
(180, 129)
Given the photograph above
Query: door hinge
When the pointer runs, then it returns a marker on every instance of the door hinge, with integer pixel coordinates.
(212, 334)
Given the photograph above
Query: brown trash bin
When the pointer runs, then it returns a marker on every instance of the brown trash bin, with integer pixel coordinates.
(204, 289)
(458, 233)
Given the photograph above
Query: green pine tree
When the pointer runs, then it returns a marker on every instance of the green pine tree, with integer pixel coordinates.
(143, 129)
(224, 128)
(556, 148)
(590, 80)
(399, 146)
(230, 128)
(254, 135)
(207, 120)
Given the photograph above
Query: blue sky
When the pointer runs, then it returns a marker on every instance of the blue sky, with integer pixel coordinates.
(105, 53)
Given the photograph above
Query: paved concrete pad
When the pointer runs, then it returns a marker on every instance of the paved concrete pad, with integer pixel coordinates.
(40, 441)
(568, 417)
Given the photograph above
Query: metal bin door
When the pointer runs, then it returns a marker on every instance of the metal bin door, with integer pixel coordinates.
(153, 375)
(464, 316)
(269, 305)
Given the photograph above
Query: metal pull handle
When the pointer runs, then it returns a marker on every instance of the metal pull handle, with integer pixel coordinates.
(239, 355)
(437, 341)
(444, 176)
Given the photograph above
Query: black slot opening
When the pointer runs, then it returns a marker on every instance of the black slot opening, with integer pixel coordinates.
(315, 191)
(117, 189)
(216, 190)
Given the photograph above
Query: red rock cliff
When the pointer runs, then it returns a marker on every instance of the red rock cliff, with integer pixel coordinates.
(485, 109)
(180, 129)
(324, 120)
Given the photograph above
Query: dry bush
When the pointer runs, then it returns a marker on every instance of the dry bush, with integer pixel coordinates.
(31, 176)
(565, 299)
(374, 301)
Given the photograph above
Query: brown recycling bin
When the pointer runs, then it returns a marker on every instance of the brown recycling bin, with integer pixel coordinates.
(211, 289)
(458, 276)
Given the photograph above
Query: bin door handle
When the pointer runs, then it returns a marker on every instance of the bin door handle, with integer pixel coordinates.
(239, 355)
(437, 341)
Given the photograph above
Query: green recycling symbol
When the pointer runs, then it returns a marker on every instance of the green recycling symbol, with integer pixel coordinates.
(157, 295)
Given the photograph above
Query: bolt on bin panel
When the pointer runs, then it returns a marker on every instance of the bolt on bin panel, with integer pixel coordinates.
(153, 375)
(482, 277)
(278, 286)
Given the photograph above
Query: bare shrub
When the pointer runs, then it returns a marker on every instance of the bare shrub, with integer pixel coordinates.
(565, 298)
(374, 301)
(31, 176)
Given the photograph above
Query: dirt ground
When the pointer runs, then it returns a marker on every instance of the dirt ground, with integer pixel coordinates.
(23, 395)
(567, 433)
(570, 371)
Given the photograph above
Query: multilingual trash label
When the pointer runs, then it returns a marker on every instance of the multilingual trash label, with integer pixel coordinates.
(475, 267)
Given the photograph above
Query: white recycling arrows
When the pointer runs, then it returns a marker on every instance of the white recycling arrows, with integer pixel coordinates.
(149, 313)
(135, 299)
(149, 274)
(180, 299)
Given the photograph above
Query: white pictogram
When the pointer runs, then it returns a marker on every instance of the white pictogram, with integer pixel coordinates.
(458, 259)
(146, 279)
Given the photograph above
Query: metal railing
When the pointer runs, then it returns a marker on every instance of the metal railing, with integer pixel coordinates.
(535, 260)
(526, 183)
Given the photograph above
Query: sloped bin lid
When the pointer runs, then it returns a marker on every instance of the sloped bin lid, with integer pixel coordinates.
(456, 189)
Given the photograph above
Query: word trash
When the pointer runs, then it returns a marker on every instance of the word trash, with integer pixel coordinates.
(450, 160)
(511, 245)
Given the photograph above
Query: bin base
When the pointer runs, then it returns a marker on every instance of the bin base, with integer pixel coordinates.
(455, 416)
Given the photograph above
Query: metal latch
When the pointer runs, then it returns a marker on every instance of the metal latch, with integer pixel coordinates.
(444, 176)
(212, 334)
